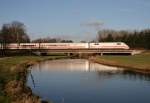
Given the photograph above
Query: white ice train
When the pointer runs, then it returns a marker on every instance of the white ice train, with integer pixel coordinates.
(101, 45)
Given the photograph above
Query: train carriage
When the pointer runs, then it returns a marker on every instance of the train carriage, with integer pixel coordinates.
(11, 46)
(77, 45)
(53, 45)
(63, 45)
(101, 45)
(29, 46)
(109, 45)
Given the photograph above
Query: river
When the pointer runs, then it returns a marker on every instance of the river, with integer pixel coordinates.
(82, 81)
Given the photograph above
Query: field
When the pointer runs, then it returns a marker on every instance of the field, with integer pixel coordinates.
(140, 62)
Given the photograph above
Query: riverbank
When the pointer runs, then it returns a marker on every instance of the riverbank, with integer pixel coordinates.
(139, 63)
(13, 74)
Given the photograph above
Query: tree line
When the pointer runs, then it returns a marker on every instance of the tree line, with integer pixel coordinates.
(15, 32)
(135, 39)
(51, 40)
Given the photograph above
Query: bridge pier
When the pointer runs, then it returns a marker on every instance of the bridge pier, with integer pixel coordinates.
(68, 54)
(40, 53)
(80, 55)
(101, 54)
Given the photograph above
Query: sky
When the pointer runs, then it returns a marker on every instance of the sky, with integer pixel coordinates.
(75, 19)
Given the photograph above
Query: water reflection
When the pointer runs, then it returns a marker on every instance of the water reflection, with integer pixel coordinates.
(74, 65)
(82, 81)
(135, 75)
(88, 66)
(126, 74)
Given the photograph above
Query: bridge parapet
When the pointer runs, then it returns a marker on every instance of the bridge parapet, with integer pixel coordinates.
(88, 51)
(99, 51)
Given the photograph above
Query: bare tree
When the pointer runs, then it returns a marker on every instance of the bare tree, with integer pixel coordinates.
(14, 33)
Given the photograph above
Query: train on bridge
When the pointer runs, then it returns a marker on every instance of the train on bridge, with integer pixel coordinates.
(101, 45)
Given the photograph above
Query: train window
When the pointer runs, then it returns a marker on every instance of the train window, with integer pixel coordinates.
(27, 45)
(96, 44)
(118, 43)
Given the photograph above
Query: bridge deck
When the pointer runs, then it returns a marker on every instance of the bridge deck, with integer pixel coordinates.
(104, 51)
(86, 50)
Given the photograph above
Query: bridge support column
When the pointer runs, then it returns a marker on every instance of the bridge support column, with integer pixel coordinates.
(80, 55)
(68, 54)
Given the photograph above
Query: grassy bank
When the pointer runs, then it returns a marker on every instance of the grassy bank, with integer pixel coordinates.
(13, 74)
(139, 63)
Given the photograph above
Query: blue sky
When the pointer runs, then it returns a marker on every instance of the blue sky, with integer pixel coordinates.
(70, 18)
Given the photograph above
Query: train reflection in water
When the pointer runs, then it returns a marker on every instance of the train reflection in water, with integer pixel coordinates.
(88, 66)
(75, 65)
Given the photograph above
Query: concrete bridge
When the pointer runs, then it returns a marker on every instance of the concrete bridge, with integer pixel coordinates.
(80, 51)
(87, 51)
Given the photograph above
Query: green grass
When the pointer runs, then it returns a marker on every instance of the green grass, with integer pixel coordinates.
(4, 99)
(6, 64)
(141, 61)
(10, 61)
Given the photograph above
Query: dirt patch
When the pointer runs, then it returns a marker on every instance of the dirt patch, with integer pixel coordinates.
(19, 93)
